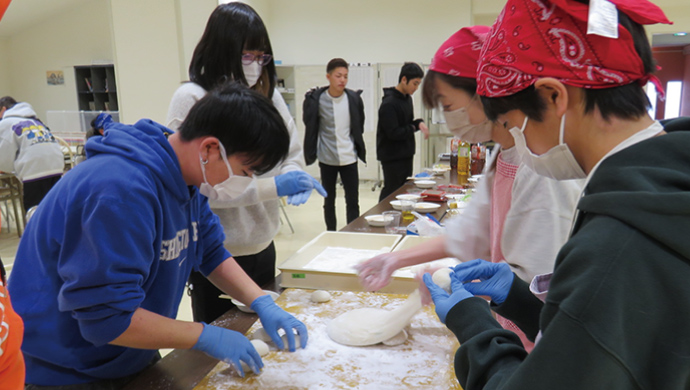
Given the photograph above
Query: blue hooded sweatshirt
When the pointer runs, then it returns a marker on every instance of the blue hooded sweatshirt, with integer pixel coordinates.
(118, 232)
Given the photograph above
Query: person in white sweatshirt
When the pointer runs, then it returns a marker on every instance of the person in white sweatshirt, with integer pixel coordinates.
(29, 149)
(235, 46)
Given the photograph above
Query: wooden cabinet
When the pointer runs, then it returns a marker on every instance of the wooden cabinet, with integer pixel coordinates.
(96, 87)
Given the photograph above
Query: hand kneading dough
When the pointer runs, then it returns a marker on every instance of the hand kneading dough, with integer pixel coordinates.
(320, 296)
(442, 278)
(260, 346)
(285, 342)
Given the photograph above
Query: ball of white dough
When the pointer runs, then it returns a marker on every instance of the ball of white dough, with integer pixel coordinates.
(286, 346)
(260, 346)
(442, 278)
(260, 334)
(320, 296)
(398, 339)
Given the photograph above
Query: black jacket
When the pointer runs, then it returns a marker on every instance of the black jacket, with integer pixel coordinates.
(310, 117)
(396, 127)
(616, 314)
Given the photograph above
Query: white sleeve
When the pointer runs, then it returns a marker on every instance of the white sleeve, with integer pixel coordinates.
(8, 147)
(538, 222)
(295, 158)
(182, 101)
(467, 235)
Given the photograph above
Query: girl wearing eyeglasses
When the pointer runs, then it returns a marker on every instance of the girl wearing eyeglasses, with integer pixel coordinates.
(235, 47)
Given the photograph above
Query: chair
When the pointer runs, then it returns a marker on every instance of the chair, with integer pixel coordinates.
(66, 151)
(282, 204)
(11, 190)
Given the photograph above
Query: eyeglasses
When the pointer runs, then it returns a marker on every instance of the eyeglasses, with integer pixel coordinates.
(261, 59)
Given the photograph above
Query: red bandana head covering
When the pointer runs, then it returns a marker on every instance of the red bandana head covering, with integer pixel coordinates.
(532, 39)
(458, 55)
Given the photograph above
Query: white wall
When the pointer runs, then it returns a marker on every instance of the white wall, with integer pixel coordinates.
(76, 36)
(311, 32)
(4, 68)
(192, 16)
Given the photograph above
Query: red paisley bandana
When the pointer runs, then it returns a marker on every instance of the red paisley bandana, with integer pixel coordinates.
(458, 55)
(532, 39)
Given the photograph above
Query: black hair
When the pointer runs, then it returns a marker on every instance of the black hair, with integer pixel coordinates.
(244, 121)
(336, 63)
(217, 58)
(430, 94)
(410, 71)
(626, 102)
(7, 102)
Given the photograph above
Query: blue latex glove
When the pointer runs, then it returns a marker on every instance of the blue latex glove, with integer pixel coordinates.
(230, 347)
(298, 198)
(294, 182)
(495, 278)
(274, 318)
(442, 300)
(422, 174)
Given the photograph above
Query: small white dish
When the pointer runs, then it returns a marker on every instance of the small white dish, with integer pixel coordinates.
(396, 204)
(439, 171)
(413, 197)
(378, 220)
(426, 207)
(274, 295)
(425, 183)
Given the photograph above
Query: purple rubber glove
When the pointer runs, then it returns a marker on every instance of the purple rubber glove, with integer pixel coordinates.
(274, 318)
(229, 346)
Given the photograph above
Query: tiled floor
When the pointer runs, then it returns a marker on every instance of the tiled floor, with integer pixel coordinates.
(307, 221)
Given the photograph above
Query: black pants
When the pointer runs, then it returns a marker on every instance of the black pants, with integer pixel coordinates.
(350, 178)
(106, 384)
(36, 190)
(395, 174)
(206, 304)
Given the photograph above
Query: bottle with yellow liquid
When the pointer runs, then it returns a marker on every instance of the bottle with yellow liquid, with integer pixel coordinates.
(463, 162)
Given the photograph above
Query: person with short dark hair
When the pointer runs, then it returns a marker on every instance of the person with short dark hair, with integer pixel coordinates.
(612, 312)
(395, 133)
(102, 266)
(235, 45)
(29, 149)
(334, 126)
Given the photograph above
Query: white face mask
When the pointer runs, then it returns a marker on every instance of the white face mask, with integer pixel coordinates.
(557, 163)
(229, 189)
(252, 72)
(458, 122)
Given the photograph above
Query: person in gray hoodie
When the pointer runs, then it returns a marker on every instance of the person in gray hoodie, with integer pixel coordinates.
(29, 149)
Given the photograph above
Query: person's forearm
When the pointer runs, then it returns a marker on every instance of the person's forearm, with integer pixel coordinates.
(429, 251)
(148, 330)
(230, 278)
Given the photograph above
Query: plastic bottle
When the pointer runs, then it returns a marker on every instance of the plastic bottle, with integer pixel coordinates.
(454, 153)
(478, 158)
(463, 162)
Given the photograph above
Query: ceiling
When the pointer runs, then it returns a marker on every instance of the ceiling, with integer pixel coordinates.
(23, 14)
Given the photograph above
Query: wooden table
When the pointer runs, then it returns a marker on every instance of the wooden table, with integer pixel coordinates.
(362, 226)
(184, 369)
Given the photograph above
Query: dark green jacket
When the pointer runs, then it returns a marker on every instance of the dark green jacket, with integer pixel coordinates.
(617, 314)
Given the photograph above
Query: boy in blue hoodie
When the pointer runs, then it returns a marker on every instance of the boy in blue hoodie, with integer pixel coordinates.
(101, 270)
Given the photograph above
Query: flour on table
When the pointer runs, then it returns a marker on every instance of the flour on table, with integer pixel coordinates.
(339, 259)
(423, 362)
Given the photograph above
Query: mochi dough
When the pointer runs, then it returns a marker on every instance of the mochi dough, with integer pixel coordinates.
(260, 346)
(320, 296)
(442, 279)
